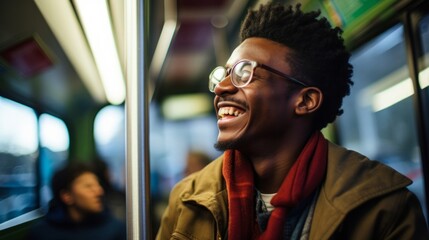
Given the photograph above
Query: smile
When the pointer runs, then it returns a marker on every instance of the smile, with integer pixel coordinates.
(229, 112)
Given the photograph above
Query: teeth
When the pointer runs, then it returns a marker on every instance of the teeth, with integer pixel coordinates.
(230, 111)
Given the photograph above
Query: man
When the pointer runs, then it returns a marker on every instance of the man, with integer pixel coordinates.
(77, 210)
(279, 178)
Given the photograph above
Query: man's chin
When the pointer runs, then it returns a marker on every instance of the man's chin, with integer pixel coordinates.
(225, 145)
(221, 146)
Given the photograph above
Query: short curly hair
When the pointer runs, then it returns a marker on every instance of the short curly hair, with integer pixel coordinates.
(319, 56)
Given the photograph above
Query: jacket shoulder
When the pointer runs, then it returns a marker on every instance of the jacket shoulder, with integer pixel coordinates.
(362, 194)
(352, 178)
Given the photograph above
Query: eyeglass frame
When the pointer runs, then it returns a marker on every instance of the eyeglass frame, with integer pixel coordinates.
(254, 65)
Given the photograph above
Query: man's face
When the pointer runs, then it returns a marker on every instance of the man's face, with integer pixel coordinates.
(86, 194)
(259, 113)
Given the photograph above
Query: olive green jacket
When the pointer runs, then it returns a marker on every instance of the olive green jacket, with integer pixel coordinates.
(359, 199)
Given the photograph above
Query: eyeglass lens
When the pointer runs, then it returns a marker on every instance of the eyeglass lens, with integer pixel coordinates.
(241, 75)
(216, 76)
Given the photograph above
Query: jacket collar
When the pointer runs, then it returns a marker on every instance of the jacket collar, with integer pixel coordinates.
(207, 188)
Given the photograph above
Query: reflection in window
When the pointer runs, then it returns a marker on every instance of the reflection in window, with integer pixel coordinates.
(18, 153)
(54, 143)
(424, 74)
(424, 71)
(109, 134)
(53, 133)
(379, 118)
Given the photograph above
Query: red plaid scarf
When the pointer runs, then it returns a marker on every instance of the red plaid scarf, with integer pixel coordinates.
(303, 178)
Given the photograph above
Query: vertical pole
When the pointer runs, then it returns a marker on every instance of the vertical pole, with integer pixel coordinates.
(136, 106)
(414, 50)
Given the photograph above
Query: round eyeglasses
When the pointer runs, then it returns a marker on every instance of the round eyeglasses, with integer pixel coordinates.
(241, 74)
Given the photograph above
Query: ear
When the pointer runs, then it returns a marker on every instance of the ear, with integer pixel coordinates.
(309, 100)
(66, 197)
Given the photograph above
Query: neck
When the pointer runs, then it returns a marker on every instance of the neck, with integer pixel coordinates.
(75, 215)
(272, 165)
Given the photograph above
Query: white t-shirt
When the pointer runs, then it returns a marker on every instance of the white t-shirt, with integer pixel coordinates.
(266, 197)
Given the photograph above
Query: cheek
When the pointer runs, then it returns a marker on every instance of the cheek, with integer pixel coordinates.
(272, 110)
(269, 100)
(82, 197)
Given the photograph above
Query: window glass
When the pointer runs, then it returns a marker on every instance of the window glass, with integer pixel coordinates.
(53, 133)
(424, 67)
(424, 32)
(54, 143)
(424, 70)
(109, 134)
(379, 118)
(18, 153)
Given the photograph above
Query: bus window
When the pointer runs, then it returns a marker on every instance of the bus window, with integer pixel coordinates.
(424, 31)
(379, 118)
(109, 135)
(424, 71)
(18, 154)
(54, 143)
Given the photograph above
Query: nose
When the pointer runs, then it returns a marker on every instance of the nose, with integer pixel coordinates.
(99, 190)
(225, 87)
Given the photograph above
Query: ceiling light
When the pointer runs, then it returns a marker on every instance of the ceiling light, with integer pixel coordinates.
(398, 92)
(185, 106)
(392, 95)
(424, 78)
(95, 19)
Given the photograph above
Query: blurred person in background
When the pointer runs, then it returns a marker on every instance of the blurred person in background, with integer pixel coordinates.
(195, 161)
(77, 210)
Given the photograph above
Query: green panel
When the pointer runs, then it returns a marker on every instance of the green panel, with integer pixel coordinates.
(349, 11)
(353, 16)
(82, 144)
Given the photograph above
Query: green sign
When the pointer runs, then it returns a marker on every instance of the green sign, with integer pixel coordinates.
(353, 15)
(348, 11)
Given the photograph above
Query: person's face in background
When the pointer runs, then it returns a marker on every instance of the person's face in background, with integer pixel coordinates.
(84, 196)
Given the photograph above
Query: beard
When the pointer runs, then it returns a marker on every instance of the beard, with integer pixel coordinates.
(232, 144)
(223, 146)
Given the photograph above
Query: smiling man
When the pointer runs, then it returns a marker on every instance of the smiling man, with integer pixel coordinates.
(279, 178)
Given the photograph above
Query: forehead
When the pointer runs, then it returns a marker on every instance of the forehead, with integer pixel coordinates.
(86, 177)
(263, 51)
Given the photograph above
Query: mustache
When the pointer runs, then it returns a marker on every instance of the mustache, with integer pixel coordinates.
(239, 102)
